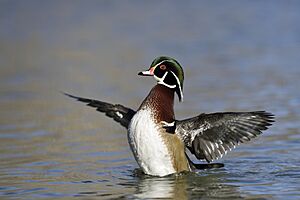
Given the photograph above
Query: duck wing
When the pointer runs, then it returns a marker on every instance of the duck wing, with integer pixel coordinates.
(118, 112)
(210, 136)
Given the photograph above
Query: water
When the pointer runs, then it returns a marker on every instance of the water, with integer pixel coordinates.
(237, 56)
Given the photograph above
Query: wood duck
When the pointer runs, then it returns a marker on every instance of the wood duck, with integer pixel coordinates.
(159, 142)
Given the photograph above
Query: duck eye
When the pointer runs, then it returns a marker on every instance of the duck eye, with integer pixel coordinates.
(163, 67)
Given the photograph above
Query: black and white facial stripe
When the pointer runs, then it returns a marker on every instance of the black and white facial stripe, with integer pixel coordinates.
(166, 75)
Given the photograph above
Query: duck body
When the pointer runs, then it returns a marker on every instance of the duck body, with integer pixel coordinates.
(159, 141)
(156, 151)
(148, 145)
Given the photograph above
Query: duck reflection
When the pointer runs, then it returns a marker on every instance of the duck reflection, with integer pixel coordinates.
(161, 187)
(185, 186)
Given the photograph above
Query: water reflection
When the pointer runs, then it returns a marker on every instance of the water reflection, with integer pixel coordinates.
(208, 184)
(186, 186)
(167, 187)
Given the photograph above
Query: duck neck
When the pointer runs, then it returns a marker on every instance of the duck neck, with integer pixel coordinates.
(161, 101)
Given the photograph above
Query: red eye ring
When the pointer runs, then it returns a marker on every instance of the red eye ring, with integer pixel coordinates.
(163, 67)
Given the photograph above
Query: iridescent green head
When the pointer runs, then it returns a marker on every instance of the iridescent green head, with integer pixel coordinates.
(168, 72)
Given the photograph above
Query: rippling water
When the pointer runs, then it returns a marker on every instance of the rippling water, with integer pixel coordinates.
(238, 56)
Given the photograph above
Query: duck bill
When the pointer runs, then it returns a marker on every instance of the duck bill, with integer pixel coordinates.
(149, 72)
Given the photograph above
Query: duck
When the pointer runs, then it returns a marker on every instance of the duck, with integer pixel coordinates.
(161, 144)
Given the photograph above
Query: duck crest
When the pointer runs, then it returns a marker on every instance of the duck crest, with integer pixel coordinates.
(161, 102)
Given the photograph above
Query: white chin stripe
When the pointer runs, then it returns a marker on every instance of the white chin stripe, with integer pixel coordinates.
(169, 86)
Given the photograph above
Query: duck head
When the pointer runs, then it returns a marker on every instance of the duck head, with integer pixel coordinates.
(168, 72)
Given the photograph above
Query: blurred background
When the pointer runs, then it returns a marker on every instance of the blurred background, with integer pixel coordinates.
(237, 56)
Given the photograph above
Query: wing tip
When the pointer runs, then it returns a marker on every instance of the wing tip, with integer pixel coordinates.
(69, 95)
(268, 117)
(89, 102)
(265, 113)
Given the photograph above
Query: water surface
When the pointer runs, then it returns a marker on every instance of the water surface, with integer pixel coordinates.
(238, 56)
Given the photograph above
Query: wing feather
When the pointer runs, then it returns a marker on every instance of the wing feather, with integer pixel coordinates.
(118, 112)
(210, 136)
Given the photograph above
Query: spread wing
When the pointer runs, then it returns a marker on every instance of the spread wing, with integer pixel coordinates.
(118, 112)
(210, 136)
